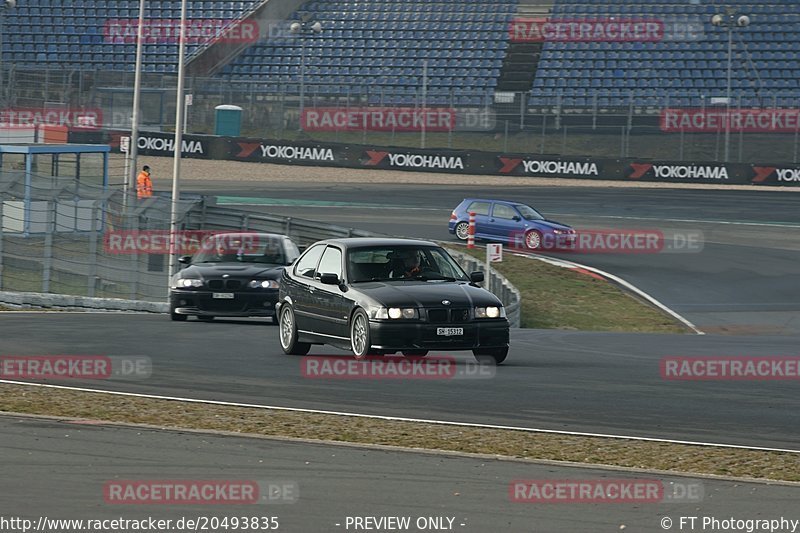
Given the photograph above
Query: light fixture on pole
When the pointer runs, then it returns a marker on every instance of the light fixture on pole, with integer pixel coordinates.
(176, 169)
(305, 26)
(729, 20)
(5, 5)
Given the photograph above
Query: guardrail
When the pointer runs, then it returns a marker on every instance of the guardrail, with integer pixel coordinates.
(305, 232)
(497, 284)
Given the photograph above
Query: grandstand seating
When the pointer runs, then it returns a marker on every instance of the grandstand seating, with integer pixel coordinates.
(377, 48)
(71, 33)
(681, 70)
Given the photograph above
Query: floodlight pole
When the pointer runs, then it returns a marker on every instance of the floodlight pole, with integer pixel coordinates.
(176, 170)
(133, 146)
(729, 20)
(301, 28)
(728, 96)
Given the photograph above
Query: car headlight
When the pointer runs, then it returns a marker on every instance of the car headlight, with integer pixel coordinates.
(186, 283)
(490, 312)
(561, 231)
(264, 284)
(407, 313)
(393, 313)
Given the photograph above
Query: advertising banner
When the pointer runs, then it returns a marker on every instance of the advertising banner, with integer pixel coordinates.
(287, 153)
(421, 160)
(163, 144)
(549, 166)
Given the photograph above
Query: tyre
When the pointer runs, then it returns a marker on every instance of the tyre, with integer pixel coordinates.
(462, 230)
(415, 353)
(491, 356)
(175, 316)
(288, 333)
(533, 240)
(359, 334)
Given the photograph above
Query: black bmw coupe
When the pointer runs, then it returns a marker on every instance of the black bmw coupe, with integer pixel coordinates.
(232, 275)
(381, 296)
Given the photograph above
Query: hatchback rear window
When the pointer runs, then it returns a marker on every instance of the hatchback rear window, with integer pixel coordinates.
(479, 208)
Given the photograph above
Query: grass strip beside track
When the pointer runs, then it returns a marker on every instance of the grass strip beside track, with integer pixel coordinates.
(679, 458)
(560, 298)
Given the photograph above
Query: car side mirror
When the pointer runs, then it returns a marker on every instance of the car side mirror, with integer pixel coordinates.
(329, 279)
(476, 277)
(185, 259)
(516, 218)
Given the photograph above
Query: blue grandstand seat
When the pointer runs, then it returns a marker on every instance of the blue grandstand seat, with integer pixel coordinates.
(682, 70)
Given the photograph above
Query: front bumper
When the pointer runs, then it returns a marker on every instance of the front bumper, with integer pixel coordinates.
(399, 335)
(202, 303)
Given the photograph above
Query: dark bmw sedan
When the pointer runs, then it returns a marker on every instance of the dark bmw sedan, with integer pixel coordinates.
(381, 296)
(232, 275)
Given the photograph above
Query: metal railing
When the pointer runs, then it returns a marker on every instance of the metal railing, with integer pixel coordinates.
(58, 236)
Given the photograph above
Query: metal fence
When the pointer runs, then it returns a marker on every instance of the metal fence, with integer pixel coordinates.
(516, 123)
(62, 236)
(54, 238)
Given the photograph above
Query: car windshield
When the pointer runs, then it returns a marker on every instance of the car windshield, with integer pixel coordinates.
(386, 263)
(241, 248)
(528, 213)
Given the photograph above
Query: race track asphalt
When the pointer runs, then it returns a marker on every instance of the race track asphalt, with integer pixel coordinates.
(571, 381)
(59, 470)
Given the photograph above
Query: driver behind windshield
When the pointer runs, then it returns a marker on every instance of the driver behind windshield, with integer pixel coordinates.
(406, 264)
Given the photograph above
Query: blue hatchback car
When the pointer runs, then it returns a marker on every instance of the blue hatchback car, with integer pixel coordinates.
(513, 223)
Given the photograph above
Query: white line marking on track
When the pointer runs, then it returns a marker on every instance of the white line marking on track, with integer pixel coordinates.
(403, 419)
(689, 220)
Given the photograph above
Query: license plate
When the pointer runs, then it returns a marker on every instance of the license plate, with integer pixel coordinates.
(223, 296)
(449, 332)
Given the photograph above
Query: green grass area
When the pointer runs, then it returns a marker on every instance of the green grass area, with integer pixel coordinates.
(522, 445)
(560, 298)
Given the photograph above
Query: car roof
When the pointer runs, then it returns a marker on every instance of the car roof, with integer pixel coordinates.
(364, 242)
(249, 234)
(498, 200)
